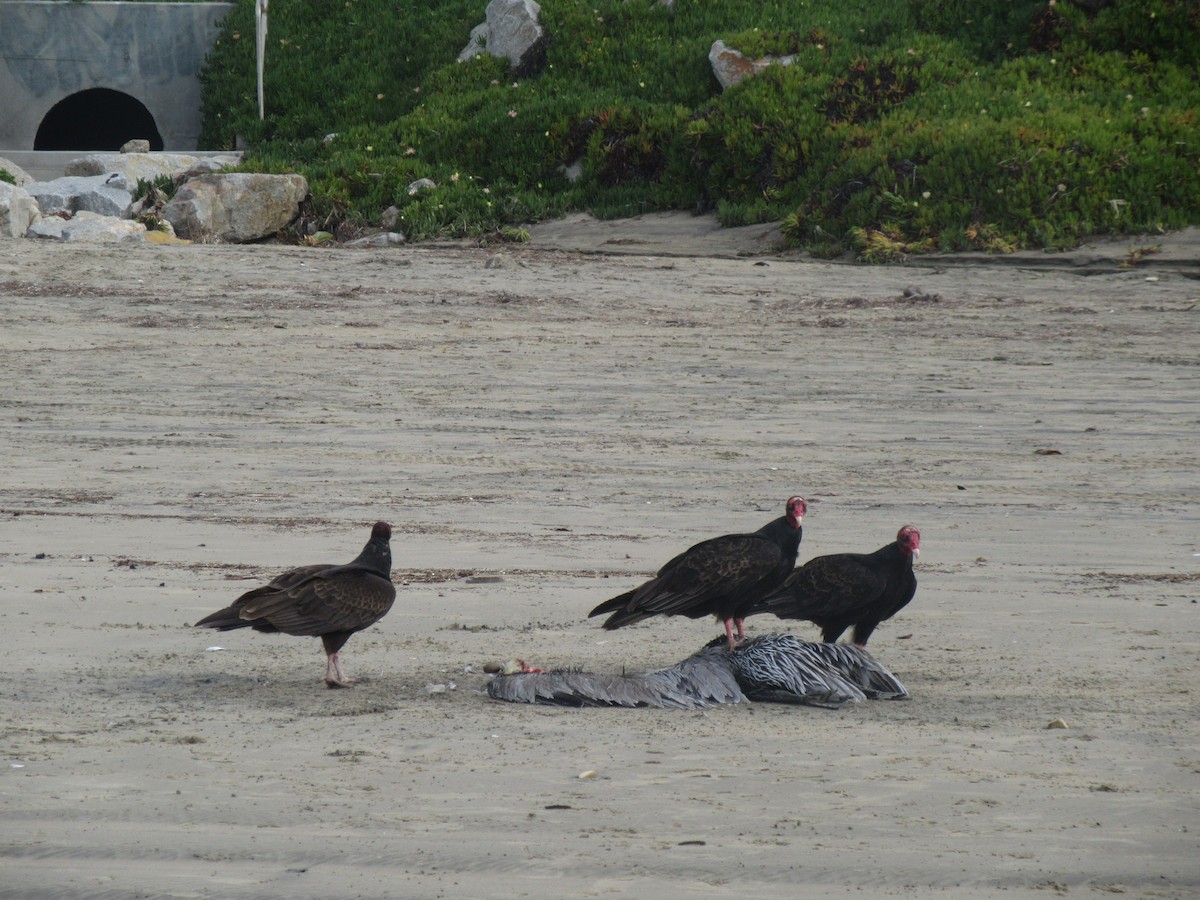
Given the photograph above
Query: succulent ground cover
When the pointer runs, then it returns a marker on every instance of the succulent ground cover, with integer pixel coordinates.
(901, 126)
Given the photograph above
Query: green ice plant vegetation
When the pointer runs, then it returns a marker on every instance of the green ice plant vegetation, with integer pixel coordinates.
(898, 126)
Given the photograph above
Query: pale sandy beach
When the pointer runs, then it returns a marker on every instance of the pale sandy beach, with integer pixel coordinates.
(544, 425)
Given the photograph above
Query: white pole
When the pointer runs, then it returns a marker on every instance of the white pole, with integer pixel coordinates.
(260, 42)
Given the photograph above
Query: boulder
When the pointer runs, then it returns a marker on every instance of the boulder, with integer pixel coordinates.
(74, 194)
(89, 227)
(137, 145)
(21, 177)
(18, 211)
(574, 171)
(148, 166)
(731, 66)
(206, 165)
(383, 239)
(511, 30)
(476, 43)
(235, 207)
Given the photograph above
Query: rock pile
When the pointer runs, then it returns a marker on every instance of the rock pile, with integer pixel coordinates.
(96, 199)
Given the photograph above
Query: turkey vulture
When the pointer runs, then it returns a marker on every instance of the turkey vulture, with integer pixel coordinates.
(721, 576)
(328, 601)
(775, 667)
(844, 589)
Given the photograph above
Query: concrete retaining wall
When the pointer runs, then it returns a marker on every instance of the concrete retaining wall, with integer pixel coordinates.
(153, 52)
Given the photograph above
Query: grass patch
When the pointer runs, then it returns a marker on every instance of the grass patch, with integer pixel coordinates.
(901, 126)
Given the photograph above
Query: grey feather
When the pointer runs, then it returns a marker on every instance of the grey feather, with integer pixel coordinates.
(783, 668)
(776, 667)
(700, 681)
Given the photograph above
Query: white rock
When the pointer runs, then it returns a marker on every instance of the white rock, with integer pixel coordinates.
(89, 227)
(206, 165)
(75, 194)
(421, 184)
(476, 43)
(148, 166)
(385, 239)
(236, 206)
(510, 30)
(574, 171)
(18, 210)
(20, 175)
(731, 66)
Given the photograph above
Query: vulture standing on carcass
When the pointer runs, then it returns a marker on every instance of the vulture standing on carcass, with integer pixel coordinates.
(775, 667)
(326, 601)
(720, 577)
(844, 589)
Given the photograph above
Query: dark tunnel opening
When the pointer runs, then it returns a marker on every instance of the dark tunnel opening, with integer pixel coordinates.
(96, 119)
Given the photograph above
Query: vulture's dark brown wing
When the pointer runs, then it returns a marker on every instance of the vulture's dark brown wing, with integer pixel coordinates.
(836, 586)
(700, 581)
(844, 589)
(714, 568)
(333, 599)
(287, 579)
(231, 616)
